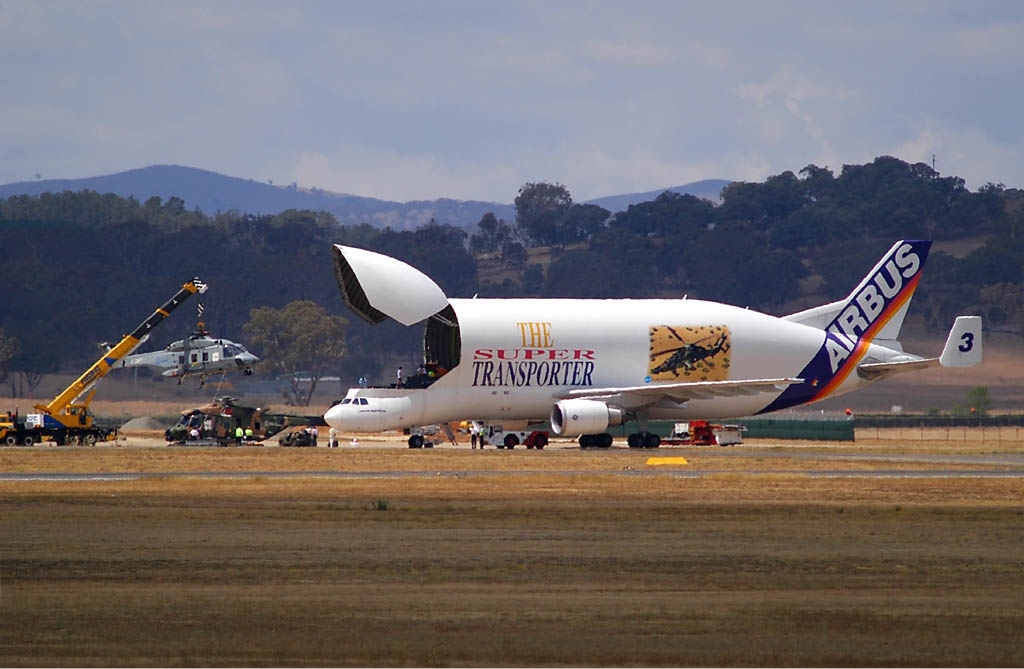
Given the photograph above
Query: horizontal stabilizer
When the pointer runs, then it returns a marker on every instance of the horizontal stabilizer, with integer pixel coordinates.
(962, 349)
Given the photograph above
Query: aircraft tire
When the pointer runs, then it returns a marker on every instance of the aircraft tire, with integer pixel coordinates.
(651, 440)
(635, 440)
(415, 441)
(604, 440)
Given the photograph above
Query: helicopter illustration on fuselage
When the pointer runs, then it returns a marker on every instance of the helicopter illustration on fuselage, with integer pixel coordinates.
(688, 354)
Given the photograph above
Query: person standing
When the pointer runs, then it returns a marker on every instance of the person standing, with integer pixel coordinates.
(332, 438)
(399, 376)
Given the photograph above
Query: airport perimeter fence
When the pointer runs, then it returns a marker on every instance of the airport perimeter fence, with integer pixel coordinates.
(1001, 429)
(992, 429)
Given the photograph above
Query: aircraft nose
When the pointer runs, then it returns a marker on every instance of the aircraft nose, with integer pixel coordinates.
(335, 416)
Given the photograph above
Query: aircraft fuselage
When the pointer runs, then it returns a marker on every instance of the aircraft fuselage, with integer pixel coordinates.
(518, 354)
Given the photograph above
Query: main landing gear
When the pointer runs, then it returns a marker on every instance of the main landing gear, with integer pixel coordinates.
(635, 440)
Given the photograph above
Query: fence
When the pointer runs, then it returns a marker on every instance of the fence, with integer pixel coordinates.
(968, 434)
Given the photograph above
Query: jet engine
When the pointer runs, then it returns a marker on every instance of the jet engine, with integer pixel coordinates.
(575, 417)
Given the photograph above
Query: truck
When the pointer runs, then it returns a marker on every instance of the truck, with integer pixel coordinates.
(13, 431)
(66, 418)
(496, 435)
(704, 433)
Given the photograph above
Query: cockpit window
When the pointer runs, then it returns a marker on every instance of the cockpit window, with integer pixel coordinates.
(362, 400)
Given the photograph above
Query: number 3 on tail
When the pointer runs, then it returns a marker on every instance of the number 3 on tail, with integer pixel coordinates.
(968, 342)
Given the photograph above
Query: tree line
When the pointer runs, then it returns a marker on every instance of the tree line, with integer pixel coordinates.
(82, 267)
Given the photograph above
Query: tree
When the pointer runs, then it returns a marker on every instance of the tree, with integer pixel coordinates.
(979, 400)
(9, 349)
(540, 211)
(301, 340)
(492, 236)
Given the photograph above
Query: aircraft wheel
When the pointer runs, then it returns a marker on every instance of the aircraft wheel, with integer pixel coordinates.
(651, 440)
(511, 441)
(416, 441)
(635, 440)
(586, 441)
(604, 440)
(28, 440)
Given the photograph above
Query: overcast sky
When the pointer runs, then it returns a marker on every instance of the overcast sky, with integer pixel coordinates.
(470, 99)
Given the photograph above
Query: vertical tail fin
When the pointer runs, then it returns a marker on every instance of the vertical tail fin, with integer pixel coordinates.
(876, 307)
(874, 310)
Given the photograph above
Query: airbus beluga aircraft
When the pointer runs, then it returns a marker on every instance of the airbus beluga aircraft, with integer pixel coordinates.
(587, 364)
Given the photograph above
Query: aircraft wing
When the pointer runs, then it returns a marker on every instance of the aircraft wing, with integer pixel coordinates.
(638, 396)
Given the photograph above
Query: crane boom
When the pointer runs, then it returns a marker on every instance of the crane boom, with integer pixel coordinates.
(64, 403)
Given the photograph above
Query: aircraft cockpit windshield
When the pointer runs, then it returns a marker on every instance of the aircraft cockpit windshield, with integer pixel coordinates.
(355, 400)
(232, 350)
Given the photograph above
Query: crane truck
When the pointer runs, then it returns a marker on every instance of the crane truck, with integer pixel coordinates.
(66, 418)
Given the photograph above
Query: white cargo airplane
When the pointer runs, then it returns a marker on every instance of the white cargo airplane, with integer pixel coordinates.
(588, 364)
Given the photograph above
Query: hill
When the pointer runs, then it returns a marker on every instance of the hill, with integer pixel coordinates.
(211, 193)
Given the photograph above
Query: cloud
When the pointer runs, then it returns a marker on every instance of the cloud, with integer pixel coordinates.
(471, 100)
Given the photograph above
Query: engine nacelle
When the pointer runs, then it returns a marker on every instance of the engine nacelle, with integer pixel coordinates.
(575, 417)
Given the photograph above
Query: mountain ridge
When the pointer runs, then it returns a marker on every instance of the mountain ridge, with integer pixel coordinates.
(212, 192)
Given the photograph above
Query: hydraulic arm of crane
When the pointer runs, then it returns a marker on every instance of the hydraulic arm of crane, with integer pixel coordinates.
(100, 368)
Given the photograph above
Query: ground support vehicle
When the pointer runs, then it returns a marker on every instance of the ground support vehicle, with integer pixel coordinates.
(421, 436)
(498, 437)
(13, 432)
(66, 419)
(299, 436)
(704, 433)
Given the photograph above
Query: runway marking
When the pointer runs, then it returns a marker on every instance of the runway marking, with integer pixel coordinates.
(667, 460)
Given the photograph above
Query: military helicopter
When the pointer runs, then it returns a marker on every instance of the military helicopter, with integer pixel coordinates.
(198, 354)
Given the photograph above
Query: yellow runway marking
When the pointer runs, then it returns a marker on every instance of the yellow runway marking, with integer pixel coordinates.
(674, 460)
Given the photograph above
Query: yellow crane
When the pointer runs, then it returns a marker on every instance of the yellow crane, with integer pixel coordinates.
(67, 417)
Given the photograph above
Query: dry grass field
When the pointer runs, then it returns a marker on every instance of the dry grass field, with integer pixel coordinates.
(378, 555)
(766, 554)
